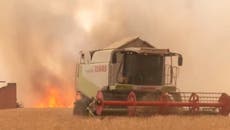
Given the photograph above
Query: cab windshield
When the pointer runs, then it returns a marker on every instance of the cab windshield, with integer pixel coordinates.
(143, 69)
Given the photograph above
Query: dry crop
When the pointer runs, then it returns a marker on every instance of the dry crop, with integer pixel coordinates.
(62, 119)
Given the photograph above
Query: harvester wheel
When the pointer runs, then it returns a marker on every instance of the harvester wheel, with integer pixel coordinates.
(194, 98)
(225, 100)
(80, 106)
(99, 103)
(164, 109)
(132, 109)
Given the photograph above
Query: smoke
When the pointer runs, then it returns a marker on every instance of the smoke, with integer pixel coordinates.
(37, 50)
(40, 40)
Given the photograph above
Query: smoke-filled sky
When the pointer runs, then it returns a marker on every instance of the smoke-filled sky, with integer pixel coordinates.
(40, 40)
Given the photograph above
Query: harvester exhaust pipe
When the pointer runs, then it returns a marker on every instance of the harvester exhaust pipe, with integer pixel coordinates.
(193, 104)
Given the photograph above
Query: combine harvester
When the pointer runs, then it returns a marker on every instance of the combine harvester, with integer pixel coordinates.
(135, 78)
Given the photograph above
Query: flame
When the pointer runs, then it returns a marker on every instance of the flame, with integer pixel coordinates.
(55, 98)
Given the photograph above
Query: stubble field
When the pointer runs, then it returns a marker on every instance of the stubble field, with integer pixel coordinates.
(62, 119)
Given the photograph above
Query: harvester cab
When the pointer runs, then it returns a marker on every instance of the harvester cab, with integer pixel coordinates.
(134, 77)
(148, 67)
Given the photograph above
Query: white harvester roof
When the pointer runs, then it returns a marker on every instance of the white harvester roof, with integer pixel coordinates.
(129, 42)
(104, 55)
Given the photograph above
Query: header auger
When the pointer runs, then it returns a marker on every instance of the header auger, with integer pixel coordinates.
(164, 105)
(134, 78)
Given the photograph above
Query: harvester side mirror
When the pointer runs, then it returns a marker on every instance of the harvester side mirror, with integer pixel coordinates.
(114, 59)
(180, 60)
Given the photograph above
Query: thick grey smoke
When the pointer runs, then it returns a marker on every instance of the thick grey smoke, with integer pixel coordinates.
(40, 40)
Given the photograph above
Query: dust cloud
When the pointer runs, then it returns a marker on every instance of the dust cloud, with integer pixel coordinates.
(40, 40)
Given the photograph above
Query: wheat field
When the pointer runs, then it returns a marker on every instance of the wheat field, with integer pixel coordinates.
(62, 119)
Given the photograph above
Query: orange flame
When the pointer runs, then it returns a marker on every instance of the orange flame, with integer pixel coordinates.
(55, 98)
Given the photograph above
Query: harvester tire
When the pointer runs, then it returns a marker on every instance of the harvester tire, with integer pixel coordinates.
(80, 106)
